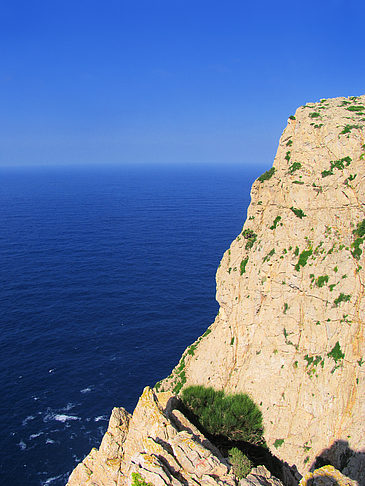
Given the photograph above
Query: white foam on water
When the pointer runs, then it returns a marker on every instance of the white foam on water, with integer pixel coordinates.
(22, 445)
(100, 417)
(27, 419)
(85, 390)
(34, 436)
(50, 441)
(60, 417)
(50, 480)
(68, 407)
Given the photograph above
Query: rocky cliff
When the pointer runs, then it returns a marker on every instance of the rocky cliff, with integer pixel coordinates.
(290, 328)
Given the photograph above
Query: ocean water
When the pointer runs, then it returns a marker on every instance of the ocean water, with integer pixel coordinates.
(107, 274)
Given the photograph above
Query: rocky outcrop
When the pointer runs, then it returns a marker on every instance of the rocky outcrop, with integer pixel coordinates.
(326, 476)
(290, 328)
(159, 444)
(260, 476)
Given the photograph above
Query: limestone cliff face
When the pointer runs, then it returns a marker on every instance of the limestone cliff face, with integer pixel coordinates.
(290, 328)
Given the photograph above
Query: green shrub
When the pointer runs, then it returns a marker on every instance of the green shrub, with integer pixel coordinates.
(243, 266)
(342, 298)
(267, 175)
(192, 348)
(356, 108)
(250, 236)
(299, 213)
(208, 331)
(356, 253)
(269, 255)
(315, 114)
(360, 230)
(278, 443)
(336, 353)
(303, 258)
(340, 164)
(241, 464)
(348, 128)
(337, 164)
(233, 416)
(295, 166)
(321, 280)
(275, 223)
(292, 117)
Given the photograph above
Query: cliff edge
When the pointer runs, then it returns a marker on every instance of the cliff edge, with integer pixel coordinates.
(290, 328)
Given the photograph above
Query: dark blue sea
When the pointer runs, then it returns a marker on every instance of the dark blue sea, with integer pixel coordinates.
(107, 274)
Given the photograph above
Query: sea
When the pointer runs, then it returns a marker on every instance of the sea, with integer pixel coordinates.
(107, 273)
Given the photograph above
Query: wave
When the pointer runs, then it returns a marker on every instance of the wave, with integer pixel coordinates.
(50, 480)
(68, 407)
(59, 417)
(34, 436)
(100, 417)
(27, 419)
(22, 445)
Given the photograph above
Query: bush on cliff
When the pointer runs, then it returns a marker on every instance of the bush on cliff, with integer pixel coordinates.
(235, 417)
(241, 464)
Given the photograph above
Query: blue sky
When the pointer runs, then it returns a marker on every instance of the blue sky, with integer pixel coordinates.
(168, 81)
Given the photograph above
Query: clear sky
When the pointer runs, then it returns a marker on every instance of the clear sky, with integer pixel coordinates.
(168, 81)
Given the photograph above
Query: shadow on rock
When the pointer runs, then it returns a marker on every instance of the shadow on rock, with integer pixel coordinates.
(349, 462)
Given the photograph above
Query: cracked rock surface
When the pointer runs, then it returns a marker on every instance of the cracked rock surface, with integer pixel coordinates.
(158, 443)
(290, 328)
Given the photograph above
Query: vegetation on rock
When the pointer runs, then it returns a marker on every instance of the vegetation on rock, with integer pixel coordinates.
(235, 417)
(303, 258)
(359, 232)
(137, 480)
(241, 464)
(278, 443)
(250, 236)
(342, 298)
(267, 175)
(243, 266)
(298, 212)
(295, 166)
(275, 223)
